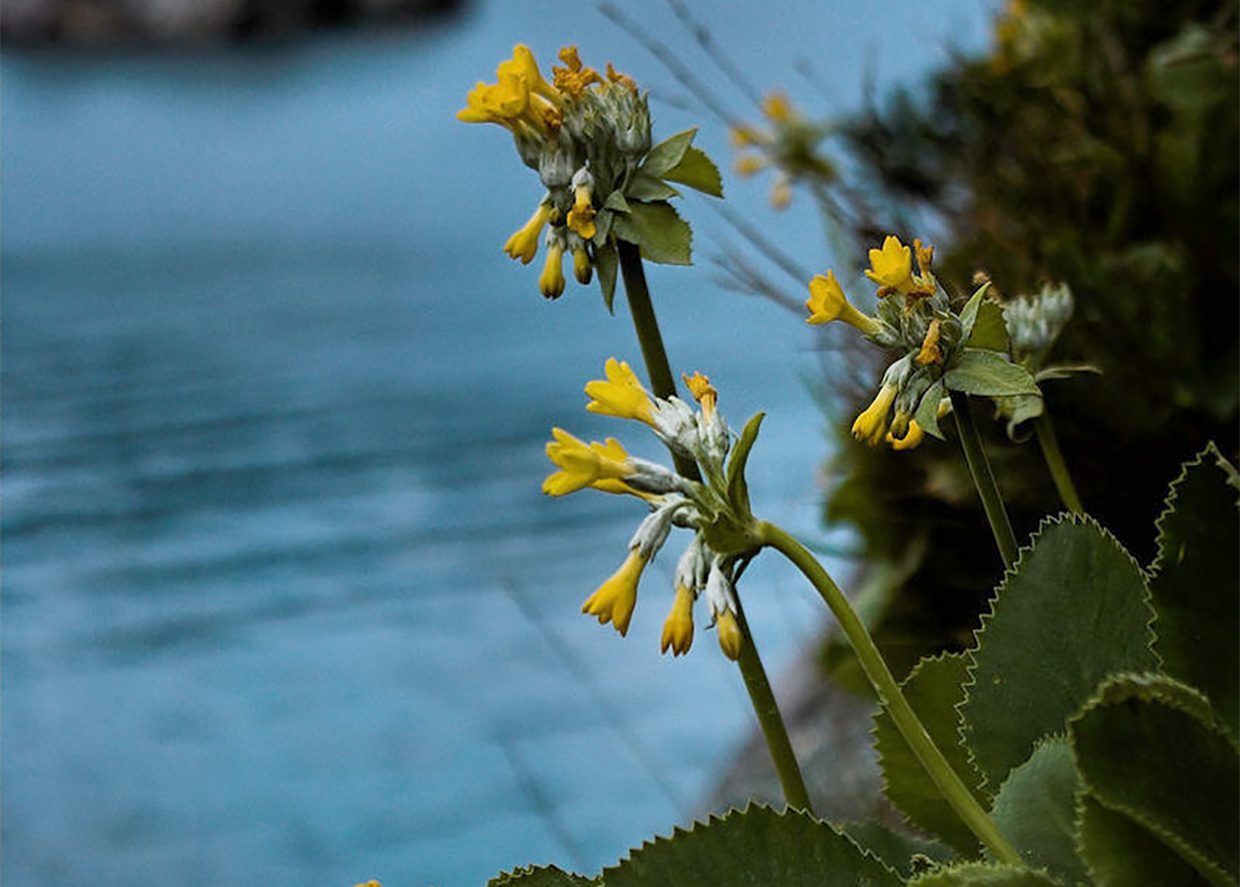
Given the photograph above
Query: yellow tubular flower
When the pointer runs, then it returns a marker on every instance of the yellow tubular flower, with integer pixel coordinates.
(678, 629)
(574, 79)
(581, 216)
(776, 107)
(781, 192)
(930, 352)
(583, 270)
(624, 79)
(600, 465)
(910, 441)
(523, 244)
(871, 425)
(551, 281)
(523, 65)
(615, 599)
(703, 392)
(892, 266)
(925, 256)
(621, 395)
(742, 135)
(750, 164)
(827, 302)
(730, 640)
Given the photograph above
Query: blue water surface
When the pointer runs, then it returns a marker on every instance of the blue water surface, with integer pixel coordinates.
(283, 603)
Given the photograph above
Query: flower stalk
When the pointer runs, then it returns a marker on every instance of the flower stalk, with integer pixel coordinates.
(890, 696)
(1049, 443)
(984, 479)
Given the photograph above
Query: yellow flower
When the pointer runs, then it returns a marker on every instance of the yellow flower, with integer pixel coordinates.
(501, 102)
(624, 79)
(602, 466)
(742, 135)
(523, 65)
(703, 392)
(621, 395)
(911, 440)
(930, 351)
(371, 883)
(827, 302)
(781, 192)
(730, 640)
(750, 164)
(678, 629)
(581, 216)
(523, 244)
(551, 281)
(615, 599)
(583, 269)
(892, 266)
(574, 79)
(924, 254)
(777, 108)
(871, 425)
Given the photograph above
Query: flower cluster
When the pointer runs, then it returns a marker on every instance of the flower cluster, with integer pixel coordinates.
(587, 135)
(789, 144)
(938, 348)
(716, 508)
(1035, 321)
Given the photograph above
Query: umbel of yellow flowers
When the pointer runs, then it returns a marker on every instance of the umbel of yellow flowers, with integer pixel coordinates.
(672, 500)
(787, 143)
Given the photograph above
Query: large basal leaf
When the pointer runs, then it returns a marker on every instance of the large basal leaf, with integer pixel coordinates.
(1196, 583)
(698, 171)
(1120, 853)
(1074, 610)
(1147, 746)
(668, 153)
(541, 876)
(976, 874)
(933, 689)
(757, 846)
(663, 236)
(1036, 810)
(977, 371)
(903, 852)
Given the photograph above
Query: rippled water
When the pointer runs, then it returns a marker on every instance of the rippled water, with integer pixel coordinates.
(282, 601)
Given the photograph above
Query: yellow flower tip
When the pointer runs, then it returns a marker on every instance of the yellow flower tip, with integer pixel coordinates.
(371, 883)
(617, 597)
(871, 425)
(749, 164)
(776, 107)
(924, 254)
(911, 440)
(703, 392)
(930, 351)
(583, 268)
(781, 193)
(621, 394)
(568, 55)
(892, 266)
(742, 135)
(551, 281)
(602, 466)
(523, 244)
(730, 640)
(623, 79)
(678, 627)
(581, 216)
(827, 303)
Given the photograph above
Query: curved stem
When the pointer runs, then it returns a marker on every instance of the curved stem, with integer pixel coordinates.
(891, 697)
(984, 478)
(1049, 443)
(750, 663)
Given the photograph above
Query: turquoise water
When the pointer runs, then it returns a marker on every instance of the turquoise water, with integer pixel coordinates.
(282, 601)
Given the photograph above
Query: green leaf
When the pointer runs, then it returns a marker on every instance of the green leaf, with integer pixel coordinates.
(977, 874)
(698, 171)
(1017, 409)
(1120, 853)
(668, 153)
(542, 876)
(738, 488)
(1147, 747)
(615, 201)
(606, 261)
(905, 853)
(975, 371)
(968, 314)
(927, 413)
(661, 233)
(1064, 371)
(648, 187)
(1036, 810)
(1074, 610)
(602, 224)
(989, 330)
(933, 689)
(757, 846)
(1196, 583)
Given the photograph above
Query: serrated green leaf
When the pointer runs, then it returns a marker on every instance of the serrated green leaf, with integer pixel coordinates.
(607, 262)
(1036, 810)
(757, 846)
(668, 153)
(1074, 610)
(1147, 747)
(975, 371)
(989, 330)
(902, 852)
(647, 187)
(615, 201)
(933, 689)
(968, 314)
(976, 874)
(661, 233)
(738, 488)
(698, 171)
(1120, 853)
(927, 413)
(541, 876)
(1196, 583)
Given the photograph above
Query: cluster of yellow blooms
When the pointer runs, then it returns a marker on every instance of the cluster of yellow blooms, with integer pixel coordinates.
(789, 145)
(673, 500)
(583, 133)
(914, 316)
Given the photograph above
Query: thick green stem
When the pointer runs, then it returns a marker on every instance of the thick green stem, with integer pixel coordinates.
(891, 697)
(663, 384)
(984, 478)
(1049, 443)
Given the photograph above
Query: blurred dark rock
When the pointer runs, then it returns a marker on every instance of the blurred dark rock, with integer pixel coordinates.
(102, 24)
